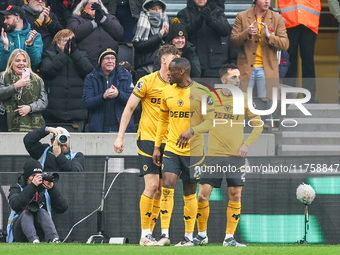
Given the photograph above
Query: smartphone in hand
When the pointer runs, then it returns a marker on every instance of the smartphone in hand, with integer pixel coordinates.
(26, 73)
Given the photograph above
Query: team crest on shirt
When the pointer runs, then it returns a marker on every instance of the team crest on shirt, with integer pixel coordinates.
(140, 84)
(210, 100)
(227, 108)
(145, 167)
(180, 103)
(191, 97)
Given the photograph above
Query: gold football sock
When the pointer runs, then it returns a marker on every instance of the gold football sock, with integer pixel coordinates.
(203, 216)
(190, 212)
(167, 205)
(145, 206)
(233, 216)
(155, 212)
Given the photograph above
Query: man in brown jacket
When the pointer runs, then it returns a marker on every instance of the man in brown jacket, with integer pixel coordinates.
(258, 33)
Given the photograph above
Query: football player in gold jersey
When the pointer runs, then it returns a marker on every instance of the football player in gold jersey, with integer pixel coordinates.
(148, 90)
(226, 148)
(181, 112)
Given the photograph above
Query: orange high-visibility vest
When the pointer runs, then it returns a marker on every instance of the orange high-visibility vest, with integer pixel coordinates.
(301, 12)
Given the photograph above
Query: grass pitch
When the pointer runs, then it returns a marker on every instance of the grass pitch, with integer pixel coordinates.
(83, 249)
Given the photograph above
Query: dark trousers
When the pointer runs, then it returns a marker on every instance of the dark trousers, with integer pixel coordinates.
(303, 37)
(3, 123)
(29, 227)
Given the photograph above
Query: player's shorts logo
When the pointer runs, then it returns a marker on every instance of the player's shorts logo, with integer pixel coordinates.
(145, 167)
(140, 84)
(180, 103)
(162, 166)
(210, 100)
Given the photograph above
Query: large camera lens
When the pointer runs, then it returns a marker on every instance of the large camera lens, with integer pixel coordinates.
(62, 139)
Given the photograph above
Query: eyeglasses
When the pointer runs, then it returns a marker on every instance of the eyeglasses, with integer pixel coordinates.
(109, 58)
(39, 1)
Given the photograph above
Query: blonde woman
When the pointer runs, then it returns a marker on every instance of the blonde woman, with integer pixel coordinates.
(24, 97)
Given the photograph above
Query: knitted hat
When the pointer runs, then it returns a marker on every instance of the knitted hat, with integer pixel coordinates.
(104, 52)
(14, 10)
(147, 5)
(176, 28)
(31, 167)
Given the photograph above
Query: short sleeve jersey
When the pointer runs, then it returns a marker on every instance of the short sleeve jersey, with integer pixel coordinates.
(149, 89)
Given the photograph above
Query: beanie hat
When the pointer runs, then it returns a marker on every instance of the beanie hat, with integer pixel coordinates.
(104, 52)
(150, 4)
(176, 28)
(31, 167)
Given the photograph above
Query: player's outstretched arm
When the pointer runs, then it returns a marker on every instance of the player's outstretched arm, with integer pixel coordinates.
(128, 111)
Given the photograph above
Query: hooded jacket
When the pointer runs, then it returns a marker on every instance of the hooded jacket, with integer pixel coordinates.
(212, 53)
(146, 51)
(64, 78)
(17, 40)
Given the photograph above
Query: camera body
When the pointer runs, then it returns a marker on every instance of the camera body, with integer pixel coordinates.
(62, 139)
(50, 177)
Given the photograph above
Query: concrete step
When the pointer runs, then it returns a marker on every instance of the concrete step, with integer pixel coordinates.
(311, 124)
(307, 138)
(317, 111)
(300, 150)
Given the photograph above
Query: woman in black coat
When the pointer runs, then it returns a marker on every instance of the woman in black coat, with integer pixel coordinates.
(64, 69)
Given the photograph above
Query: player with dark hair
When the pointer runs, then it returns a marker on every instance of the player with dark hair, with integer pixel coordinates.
(226, 147)
(180, 112)
(148, 90)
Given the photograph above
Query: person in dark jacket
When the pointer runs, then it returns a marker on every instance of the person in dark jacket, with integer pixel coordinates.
(127, 12)
(208, 29)
(63, 10)
(31, 199)
(150, 34)
(95, 28)
(106, 92)
(42, 20)
(57, 157)
(178, 37)
(64, 68)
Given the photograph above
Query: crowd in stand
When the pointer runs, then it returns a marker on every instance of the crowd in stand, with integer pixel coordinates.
(70, 50)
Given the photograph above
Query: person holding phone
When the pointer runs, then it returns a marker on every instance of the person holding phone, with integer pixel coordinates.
(22, 94)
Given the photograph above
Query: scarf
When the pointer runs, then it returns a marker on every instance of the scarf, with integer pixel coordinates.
(25, 96)
(146, 21)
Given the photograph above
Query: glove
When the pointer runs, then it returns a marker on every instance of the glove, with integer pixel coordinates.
(99, 12)
(67, 47)
(74, 46)
(206, 14)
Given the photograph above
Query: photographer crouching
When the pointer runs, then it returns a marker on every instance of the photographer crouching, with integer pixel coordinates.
(31, 199)
(58, 156)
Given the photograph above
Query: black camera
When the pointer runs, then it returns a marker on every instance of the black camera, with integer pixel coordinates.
(50, 177)
(62, 139)
(33, 206)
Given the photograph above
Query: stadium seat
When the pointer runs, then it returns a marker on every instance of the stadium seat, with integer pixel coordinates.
(126, 52)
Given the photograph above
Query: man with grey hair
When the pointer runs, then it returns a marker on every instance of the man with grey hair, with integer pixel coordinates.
(58, 156)
(94, 28)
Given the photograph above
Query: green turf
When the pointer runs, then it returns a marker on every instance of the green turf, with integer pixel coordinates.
(83, 249)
